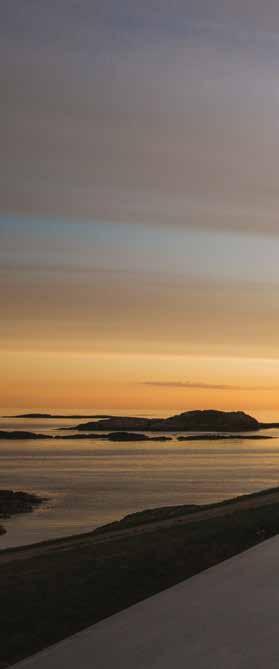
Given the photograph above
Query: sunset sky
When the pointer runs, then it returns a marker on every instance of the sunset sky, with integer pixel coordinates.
(139, 204)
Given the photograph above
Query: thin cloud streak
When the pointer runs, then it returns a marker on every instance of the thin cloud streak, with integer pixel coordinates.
(204, 386)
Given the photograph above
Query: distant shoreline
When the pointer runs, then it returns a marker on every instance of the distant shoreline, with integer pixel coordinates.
(117, 436)
(70, 583)
(49, 416)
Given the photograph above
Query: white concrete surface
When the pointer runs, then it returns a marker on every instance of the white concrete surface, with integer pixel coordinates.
(224, 618)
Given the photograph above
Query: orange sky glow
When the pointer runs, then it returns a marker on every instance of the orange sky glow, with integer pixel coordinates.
(139, 236)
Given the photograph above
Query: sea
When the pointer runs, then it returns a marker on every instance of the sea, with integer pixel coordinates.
(89, 483)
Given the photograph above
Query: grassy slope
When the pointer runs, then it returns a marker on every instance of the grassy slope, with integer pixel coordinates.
(46, 596)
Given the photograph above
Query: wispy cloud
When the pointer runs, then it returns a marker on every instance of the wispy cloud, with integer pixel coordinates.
(203, 386)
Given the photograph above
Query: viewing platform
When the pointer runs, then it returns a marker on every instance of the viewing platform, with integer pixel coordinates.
(223, 618)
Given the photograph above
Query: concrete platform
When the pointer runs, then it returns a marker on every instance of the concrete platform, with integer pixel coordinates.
(224, 618)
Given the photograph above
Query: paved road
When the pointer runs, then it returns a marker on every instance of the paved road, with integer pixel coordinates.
(224, 618)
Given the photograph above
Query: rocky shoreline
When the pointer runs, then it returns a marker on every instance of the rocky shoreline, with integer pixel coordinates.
(14, 502)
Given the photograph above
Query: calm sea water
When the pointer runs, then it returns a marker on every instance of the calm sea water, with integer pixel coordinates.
(89, 483)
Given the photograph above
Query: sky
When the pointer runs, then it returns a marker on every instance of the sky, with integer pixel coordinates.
(139, 232)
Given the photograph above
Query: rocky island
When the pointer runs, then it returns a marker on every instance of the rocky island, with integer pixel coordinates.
(208, 420)
(206, 425)
(116, 436)
(21, 435)
(18, 435)
(57, 416)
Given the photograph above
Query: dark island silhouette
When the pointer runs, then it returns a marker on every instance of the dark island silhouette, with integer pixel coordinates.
(201, 421)
(18, 435)
(22, 435)
(51, 416)
(125, 436)
(197, 421)
(210, 424)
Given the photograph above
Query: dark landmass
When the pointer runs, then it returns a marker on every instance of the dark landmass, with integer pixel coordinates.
(12, 503)
(53, 416)
(22, 435)
(60, 587)
(113, 436)
(74, 437)
(126, 436)
(120, 423)
(116, 436)
(131, 436)
(208, 420)
(222, 437)
(267, 426)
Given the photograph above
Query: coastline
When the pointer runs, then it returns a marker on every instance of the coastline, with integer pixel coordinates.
(17, 502)
(67, 584)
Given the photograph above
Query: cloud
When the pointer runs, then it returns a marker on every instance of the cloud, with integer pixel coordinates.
(203, 386)
(141, 116)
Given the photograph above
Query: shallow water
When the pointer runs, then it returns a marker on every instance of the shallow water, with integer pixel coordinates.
(89, 483)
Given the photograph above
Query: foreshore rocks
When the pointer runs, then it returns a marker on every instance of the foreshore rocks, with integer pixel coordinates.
(12, 502)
